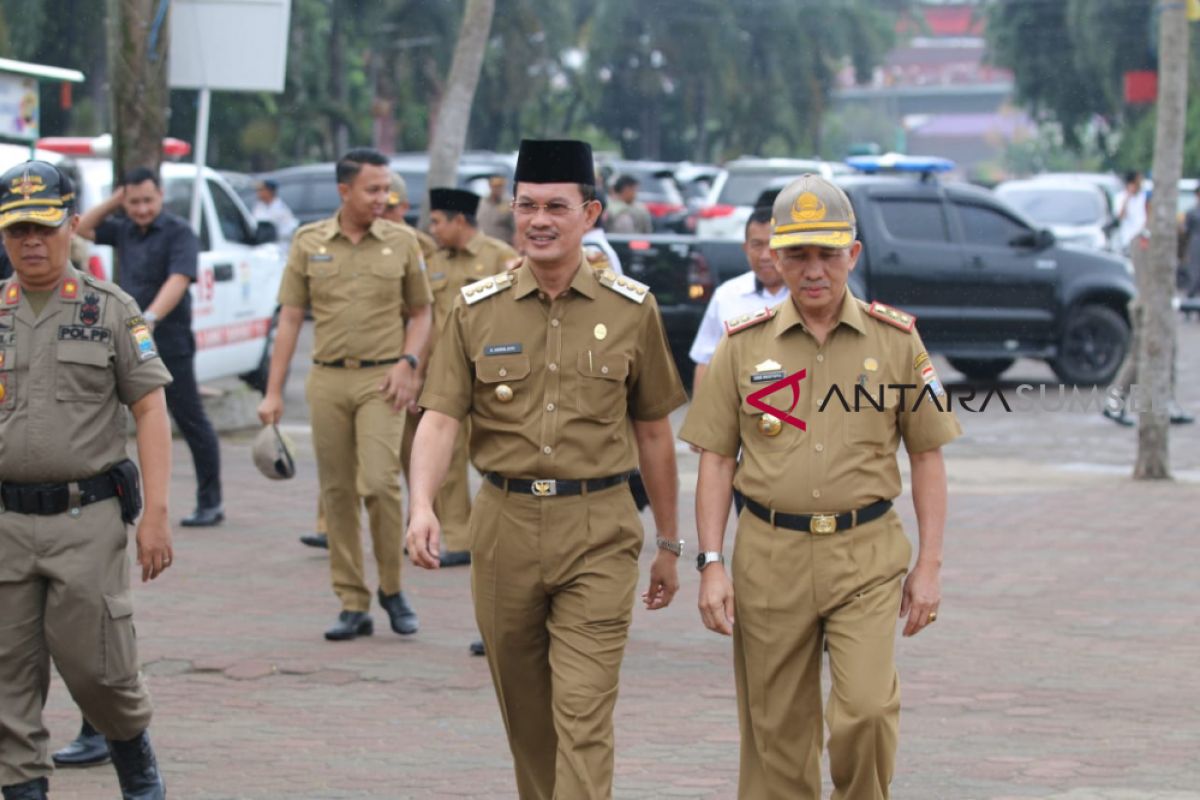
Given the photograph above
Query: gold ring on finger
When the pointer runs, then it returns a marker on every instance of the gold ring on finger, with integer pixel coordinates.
(932, 616)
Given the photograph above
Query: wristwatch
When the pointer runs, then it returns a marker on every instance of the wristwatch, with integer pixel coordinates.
(412, 360)
(706, 558)
(670, 545)
(150, 317)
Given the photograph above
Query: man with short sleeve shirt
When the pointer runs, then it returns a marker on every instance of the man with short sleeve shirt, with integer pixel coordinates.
(156, 256)
(817, 395)
(566, 377)
(364, 280)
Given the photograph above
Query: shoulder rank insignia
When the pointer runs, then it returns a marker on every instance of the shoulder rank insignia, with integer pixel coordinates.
(474, 292)
(627, 287)
(12, 294)
(69, 289)
(738, 324)
(891, 316)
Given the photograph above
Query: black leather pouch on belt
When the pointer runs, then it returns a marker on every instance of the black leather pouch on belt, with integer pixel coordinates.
(129, 491)
(641, 498)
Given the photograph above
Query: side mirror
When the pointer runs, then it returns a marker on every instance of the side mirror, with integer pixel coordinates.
(1033, 240)
(265, 233)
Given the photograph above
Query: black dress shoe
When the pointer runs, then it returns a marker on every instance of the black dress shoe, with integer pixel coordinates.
(204, 518)
(404, 619)
(29, 790)
(351, 625)
(455, 558)
(1181, 417)
(315, 540)
(137, 769)
(477, 648)
(88, 750)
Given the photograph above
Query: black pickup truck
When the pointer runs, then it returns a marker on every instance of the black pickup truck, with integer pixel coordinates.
(986, 286)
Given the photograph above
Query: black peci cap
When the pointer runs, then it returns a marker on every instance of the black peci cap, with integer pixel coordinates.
(555, 161)
(37, 192)
(453, 201)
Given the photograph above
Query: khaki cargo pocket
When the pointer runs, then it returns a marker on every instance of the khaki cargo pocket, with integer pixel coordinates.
(83, 375)
(503, 390)
(601, 395)
(120, 641)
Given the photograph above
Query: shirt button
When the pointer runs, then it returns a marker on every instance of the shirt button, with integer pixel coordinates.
(816, 492)
(546, 449)
(503, 372)
(552, 367)
(820, 358)
(553, 323)
(549, 406)
(604, 370)
(820, 448)
(541, 295)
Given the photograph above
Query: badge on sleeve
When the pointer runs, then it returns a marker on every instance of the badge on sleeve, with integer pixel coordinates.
(143, 342)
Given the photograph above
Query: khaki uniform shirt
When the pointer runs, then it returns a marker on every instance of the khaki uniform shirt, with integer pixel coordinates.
(551, 386)
(495, 219)
(426, 242)
(450, 270)
(845, 459)
(64, 375)
(357, 292)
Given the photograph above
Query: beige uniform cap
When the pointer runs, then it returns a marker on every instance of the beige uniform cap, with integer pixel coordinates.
(812, 211)
(274, 454)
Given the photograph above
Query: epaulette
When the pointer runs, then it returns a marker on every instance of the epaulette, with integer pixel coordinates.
(474, 292)
(626, 287)
(891, 316)
(739, 324)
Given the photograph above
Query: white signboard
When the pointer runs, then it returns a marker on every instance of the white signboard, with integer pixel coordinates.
(18, 107)
(229, 45)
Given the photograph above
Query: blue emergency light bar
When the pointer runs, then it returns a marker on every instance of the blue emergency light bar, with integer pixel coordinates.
(897, 162)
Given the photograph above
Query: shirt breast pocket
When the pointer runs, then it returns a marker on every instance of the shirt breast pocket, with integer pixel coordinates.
(8, 384)
(322, 267)
(601, 393)
(765, 432)
(872, 420)
(503, 389)
(83, 375)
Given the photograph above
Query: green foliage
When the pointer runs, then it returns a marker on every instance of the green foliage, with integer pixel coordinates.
(672, 79)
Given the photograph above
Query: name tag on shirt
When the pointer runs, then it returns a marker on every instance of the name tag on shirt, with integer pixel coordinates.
(502, 349)
(765, 377)
(320, 257)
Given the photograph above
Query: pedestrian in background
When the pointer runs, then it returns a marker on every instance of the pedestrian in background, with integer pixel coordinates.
(625, 213)
(495, 216)
(269, 207)
(157, 254)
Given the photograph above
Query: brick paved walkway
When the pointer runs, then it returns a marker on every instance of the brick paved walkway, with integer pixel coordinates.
(1063, 666)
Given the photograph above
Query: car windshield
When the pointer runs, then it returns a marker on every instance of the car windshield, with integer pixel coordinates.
(743, 188)
(1057, 206)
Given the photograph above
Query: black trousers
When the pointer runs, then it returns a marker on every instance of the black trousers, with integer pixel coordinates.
(183, 401)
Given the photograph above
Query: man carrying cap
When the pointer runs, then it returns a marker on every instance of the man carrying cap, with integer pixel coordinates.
(565, 375)
(74, 351)
(464, 256)
(820, 556)
(364, 280)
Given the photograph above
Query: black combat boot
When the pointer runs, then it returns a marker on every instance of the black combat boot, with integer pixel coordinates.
(29, 790)
(88, 750)
(137, 769)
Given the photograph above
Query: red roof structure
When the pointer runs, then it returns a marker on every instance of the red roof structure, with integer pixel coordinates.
(944, 21)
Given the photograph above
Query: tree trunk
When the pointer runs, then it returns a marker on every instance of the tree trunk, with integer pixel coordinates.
(454, 110)
(1157, 280)
(138, 66)
(339, 92)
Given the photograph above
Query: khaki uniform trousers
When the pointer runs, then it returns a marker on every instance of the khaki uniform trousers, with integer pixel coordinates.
(794, 594)
(553, 581)
(64, 595)
(452, 504)
(356, 437)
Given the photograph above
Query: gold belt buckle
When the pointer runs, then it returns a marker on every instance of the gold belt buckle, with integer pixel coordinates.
(352, 363)
(822, 524)
(547, 487)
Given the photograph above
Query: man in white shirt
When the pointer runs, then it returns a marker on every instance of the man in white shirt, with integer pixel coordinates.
(271, 208)
(760, 287)
(596, 240)
(1131, 210)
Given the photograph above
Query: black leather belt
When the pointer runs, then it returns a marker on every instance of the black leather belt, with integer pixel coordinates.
(47, 499)
(356, 363)
(552, 487)
(819, 524)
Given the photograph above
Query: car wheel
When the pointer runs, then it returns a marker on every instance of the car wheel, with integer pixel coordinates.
(1093, 345)
(981, 370)
(256, 378)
